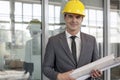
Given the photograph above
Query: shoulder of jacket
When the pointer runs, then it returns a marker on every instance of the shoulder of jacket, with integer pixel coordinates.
(87, 35)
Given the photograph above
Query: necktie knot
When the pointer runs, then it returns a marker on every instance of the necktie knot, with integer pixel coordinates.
(73, 37)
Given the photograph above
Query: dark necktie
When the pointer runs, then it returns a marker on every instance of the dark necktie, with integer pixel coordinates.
(73, 48)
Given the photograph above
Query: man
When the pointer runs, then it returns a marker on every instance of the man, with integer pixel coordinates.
(64, 54)
(32, 51)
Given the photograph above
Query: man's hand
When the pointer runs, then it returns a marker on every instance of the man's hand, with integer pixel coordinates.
(96, 74)
(65, 76)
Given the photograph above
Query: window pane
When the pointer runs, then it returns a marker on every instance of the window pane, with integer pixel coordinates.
(27, 12)
(18, 11)
(4, 26)
(4, 7)
(57, 14)
(4, 35)
(92, 17)
(37, 11)
(115, 35)
(113, 20)
(4, 11)
(18, 27)
(99, 18)
(51, 13)
(85, 20)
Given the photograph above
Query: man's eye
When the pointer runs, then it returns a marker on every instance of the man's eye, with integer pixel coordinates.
(78, 17)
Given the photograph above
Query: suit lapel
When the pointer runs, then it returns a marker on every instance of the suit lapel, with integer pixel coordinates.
(82, 53)
(65, 46)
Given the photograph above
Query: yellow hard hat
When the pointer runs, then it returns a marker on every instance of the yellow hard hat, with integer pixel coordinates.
(34, 25)
(74, 6)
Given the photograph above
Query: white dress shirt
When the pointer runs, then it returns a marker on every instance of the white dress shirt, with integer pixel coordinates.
(77, 40)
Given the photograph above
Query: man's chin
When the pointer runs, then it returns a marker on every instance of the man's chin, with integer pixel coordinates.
(73, 29)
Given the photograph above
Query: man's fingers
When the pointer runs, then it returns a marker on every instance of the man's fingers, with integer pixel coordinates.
(96, 73)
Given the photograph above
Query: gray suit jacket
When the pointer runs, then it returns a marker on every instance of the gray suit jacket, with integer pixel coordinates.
(58, 57)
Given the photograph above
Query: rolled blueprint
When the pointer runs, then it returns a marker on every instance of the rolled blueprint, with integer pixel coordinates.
(100, 64)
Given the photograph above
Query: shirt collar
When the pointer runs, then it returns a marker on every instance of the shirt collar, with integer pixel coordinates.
(68, 35)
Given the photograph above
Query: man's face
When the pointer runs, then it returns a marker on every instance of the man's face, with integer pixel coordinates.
(73, 21)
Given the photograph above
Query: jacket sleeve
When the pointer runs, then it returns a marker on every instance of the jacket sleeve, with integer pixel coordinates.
(95, 51)
(49, 59)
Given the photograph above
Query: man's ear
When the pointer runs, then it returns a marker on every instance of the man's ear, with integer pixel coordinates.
(64, 16)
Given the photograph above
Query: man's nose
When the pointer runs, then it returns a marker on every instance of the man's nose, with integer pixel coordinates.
(74, 19)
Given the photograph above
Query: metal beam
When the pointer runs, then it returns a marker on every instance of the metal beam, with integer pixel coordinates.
(45, 33)
(106, 37)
